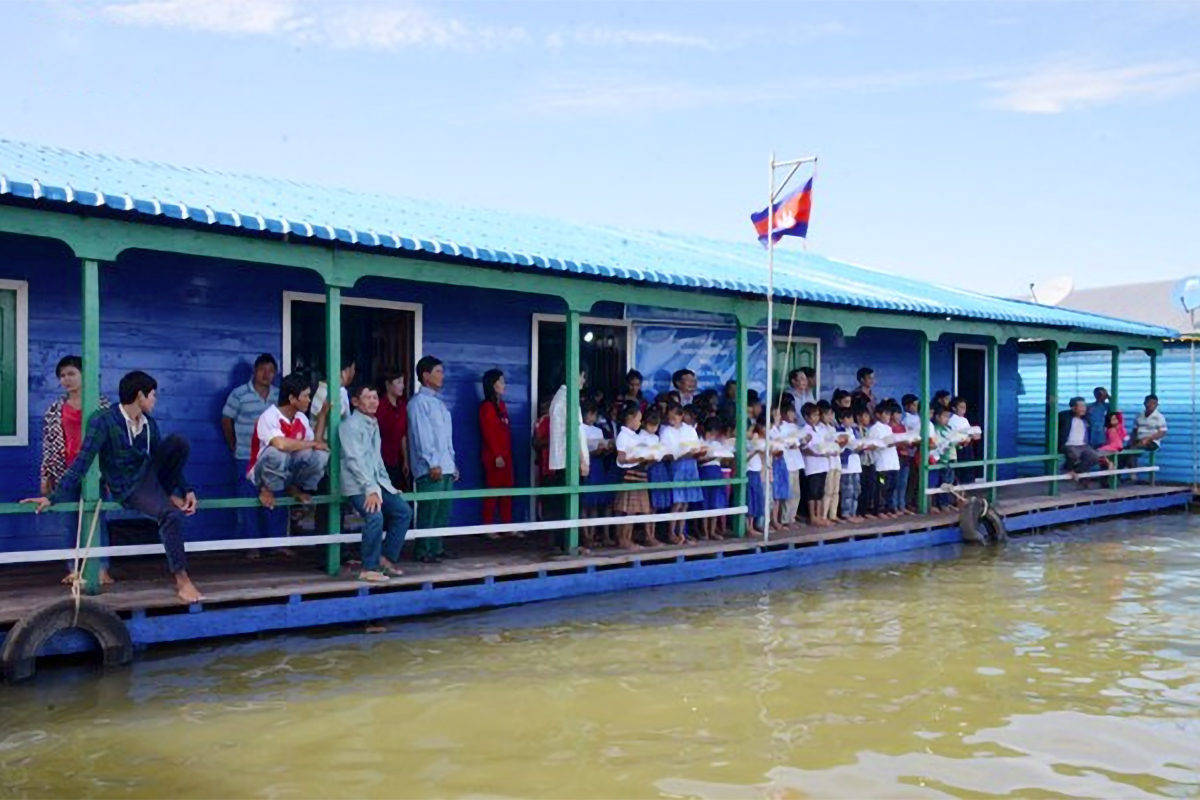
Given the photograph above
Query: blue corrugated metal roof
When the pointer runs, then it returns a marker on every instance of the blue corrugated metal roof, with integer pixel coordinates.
(392, 223)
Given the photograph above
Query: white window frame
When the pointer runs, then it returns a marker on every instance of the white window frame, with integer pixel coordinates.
(21, 437)
(416, 309)
(784, 338)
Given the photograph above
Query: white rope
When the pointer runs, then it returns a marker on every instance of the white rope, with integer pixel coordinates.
(33, 556)
(966, 487)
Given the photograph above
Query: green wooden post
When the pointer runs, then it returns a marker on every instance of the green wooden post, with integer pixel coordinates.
(1114, 404)
(1052, 413)
(90, 396)
(743, 385)
(572, 477)
(333, 379)
(993, 433)
(923, 464)
(1153, 391)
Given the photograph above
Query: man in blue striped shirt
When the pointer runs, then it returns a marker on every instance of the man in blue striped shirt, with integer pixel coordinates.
(431, 455)
(245, 405)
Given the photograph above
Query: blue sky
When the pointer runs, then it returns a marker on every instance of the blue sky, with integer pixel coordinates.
(980, 144)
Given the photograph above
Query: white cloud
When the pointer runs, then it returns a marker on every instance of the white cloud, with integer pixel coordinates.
(366, 25)
(1054, 90)
(626, 38)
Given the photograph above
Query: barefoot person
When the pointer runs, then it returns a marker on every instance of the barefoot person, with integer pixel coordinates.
(62, 438)
(143, 471)
(285, 455)
(366, 484)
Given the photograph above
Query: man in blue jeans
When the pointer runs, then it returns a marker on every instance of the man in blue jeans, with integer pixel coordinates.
(365, 483)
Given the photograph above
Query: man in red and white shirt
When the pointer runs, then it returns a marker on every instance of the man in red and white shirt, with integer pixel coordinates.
(284, 454)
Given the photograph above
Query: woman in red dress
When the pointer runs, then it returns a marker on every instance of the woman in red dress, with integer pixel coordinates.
(495, 447)
(393, 429)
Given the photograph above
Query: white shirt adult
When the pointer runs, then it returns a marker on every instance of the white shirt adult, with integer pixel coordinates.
(272, 425)
(558, 432)
(1077, 437)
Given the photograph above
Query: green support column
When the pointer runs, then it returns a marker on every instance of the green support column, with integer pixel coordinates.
(572, 477)
(1153, 391)
(739, 470)
(1052, 413)
(90, 397)
(993, 424)
(923, 464)
(333, 378)
(1114, 403)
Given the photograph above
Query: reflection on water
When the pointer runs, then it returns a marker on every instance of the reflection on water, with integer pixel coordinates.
(1066, 665)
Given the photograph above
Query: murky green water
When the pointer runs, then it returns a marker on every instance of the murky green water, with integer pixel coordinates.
(1067, 665)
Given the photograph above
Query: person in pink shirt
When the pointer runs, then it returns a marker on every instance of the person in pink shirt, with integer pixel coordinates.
(1115, 439)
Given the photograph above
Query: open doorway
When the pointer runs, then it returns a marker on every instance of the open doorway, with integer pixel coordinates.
(603, 352)
(380, 335)
(970, 383)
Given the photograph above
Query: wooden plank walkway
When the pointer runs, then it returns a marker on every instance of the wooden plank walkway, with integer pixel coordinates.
(231, 579)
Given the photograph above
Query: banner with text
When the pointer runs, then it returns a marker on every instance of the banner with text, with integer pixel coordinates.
(711, 353)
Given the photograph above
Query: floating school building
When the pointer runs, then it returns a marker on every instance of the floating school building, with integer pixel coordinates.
(189, 274)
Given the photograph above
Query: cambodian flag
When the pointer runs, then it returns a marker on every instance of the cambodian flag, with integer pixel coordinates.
(791, 215)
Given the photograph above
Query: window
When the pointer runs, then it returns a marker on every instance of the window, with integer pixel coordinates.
(14, 364)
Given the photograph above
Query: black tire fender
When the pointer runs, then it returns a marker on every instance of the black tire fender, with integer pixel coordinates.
(18, 657)
(968, 522)
(993, 524)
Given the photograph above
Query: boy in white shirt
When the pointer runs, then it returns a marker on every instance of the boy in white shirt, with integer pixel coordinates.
(851, 467)
(830, 505)
(816, 465)
(793, 459)
(887, 463)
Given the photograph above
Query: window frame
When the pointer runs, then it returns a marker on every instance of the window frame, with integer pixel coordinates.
(20, 438)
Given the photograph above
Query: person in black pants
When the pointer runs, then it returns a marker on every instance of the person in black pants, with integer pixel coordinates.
(143, 471)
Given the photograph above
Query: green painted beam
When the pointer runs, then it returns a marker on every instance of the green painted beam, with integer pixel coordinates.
(993, 424)
(333, 379)
(90, 397)
(571, 545)
(1052, 412)
(923, 464)
(742, 406)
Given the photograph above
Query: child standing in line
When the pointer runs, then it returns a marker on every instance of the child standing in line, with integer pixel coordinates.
(780, 489)
(830, 506)
(755, 499)
(633, 469)
(793, 460)
(658, 470)
(816, 465)
(869, 482)
(942, 455)
(887, 462)
(899, 502)
(1115, 439)
(681, 442)
(912, 425)
(715, 497)
(595, 504)
(851, 467)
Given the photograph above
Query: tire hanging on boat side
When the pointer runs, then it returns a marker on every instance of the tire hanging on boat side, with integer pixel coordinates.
(981, 524)
(23, 643)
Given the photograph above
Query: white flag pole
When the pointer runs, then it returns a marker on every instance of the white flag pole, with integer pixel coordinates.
(768, 462)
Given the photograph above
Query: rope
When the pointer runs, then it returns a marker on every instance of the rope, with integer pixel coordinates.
(81, 560)
(791, 332)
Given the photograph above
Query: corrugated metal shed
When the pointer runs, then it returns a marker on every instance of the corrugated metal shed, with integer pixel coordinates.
(1144, 302)
(138, 187)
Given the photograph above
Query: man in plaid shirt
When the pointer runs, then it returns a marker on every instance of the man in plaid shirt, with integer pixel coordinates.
(143, 471)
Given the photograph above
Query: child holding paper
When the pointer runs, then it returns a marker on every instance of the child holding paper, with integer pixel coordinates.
(816, 465)
(631, 461)
(715, 497)
(851, 467)
(831, 502)
(755, 499)
(683, 445)
(595, 504)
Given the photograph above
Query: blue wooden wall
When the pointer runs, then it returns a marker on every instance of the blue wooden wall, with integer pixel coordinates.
(197, 324)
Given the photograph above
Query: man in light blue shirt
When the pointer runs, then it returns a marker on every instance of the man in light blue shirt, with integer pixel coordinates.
(431, 455)
(365, 483)
(242, 409)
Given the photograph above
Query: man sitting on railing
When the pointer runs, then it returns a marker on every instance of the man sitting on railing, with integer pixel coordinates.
(1073, 437)
(143, 471)
(1149, 429)
(284, 452)
(365, 483)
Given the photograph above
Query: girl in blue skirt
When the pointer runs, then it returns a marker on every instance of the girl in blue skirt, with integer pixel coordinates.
(681, 440)
(659, 471)
(595, 504)
(715, 497)
(755, 501)
(780, 485)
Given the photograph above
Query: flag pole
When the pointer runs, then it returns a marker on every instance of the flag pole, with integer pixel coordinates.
(768, 461)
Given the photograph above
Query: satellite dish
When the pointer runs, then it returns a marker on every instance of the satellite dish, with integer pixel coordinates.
(1186, 294)
(1053, 291)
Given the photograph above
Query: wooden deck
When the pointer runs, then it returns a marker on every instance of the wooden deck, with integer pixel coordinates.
(231, 579)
